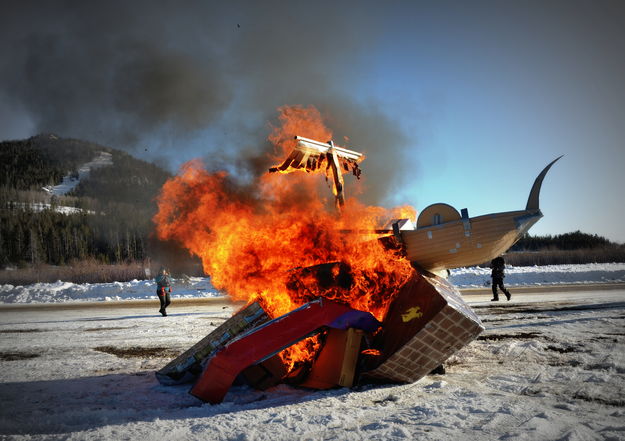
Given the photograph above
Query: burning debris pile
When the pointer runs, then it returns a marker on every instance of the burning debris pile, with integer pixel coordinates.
(331, 298)
(425, 325)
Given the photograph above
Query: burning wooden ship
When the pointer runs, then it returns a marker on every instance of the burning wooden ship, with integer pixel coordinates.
(423, 320)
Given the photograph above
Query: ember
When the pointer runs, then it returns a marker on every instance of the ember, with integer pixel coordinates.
(374, 352)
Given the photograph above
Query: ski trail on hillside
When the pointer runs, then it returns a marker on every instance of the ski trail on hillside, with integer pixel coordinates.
(69, 182)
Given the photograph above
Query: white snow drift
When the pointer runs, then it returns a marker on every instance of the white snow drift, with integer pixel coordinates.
(186, 287)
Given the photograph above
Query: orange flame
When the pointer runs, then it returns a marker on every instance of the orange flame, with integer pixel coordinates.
(297, 120)
(256, 243)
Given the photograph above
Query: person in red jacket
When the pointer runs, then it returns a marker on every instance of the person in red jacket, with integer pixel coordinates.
(163, 290)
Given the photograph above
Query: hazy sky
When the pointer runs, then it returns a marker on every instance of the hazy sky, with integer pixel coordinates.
(460, 102)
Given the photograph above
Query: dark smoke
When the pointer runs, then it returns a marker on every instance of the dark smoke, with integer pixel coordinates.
(180, 76)
(107, 70)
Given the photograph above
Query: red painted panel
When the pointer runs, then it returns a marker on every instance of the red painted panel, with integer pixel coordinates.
(269, 339)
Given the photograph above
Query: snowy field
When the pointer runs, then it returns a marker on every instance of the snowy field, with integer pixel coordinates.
(550, 366)
(190, 287)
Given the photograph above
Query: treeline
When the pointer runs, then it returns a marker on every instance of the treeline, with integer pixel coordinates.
(568, 248)
(569, 257)
(567, 241)
(82, 271)
(28, 237)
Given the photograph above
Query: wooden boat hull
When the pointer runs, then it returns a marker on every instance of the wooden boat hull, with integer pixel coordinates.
(467, 242)
(444, 239)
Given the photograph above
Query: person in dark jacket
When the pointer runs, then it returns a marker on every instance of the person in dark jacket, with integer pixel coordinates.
(497, 265)
(163, 290)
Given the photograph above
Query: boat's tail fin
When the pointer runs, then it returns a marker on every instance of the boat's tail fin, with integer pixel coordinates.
(532, 201)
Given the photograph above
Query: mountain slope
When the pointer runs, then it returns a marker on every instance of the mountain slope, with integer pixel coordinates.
(42, 160)
(118, 203)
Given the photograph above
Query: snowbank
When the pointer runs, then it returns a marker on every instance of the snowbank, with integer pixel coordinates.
(474, 277)
(133, 290)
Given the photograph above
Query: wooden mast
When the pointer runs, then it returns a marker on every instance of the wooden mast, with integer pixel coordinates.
(339, 184)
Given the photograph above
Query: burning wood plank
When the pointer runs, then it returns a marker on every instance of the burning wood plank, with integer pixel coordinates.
(187, 366)
(336, 363)
(310, 155)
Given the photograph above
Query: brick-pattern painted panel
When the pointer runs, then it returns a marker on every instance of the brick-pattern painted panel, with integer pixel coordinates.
(453, 327)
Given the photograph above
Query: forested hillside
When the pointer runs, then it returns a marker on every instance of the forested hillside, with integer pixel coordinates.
(117, 203)
(42, 160)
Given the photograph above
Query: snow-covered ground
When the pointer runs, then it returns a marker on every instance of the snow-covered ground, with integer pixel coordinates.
(463, 278)
(185, 287)
(546, 275)
(69, 182)
(550, 366)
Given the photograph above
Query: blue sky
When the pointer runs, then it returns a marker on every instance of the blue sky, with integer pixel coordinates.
(456, 102)
(504, 92)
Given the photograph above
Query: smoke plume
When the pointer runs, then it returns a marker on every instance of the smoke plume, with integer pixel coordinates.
(175, 80)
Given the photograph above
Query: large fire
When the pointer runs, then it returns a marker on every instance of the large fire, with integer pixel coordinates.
(258, 242)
